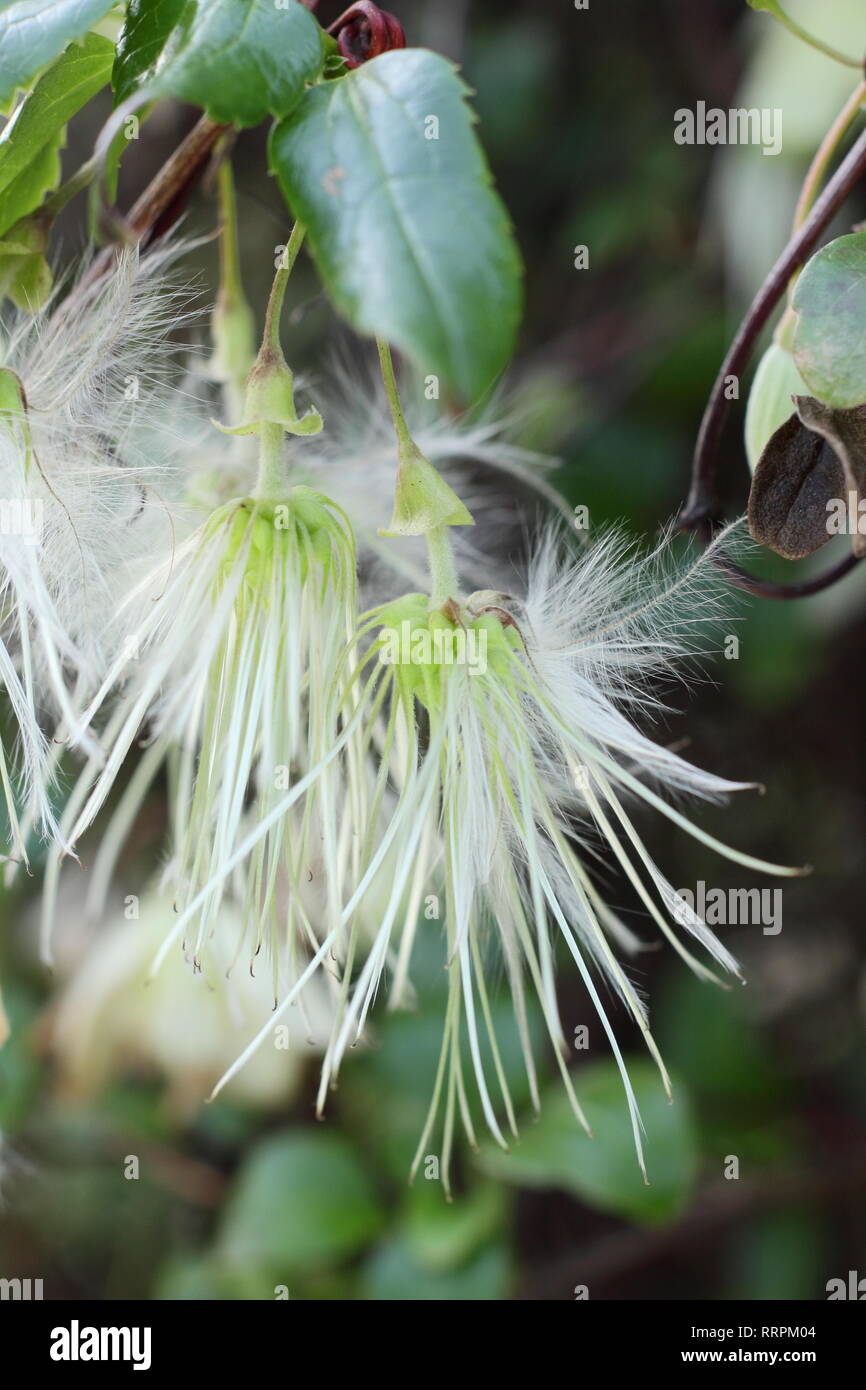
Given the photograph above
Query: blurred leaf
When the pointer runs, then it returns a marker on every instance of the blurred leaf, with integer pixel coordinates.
(146, 28)
(240, 60)
(226, 1127)
(32, 33)
(626, 469)
(410, 238)
(760, 1140)
(136, 1108)
(703, 1033)
(396, 1075)
(20, 1073)
(675, 370)
(440, 1235)
(778, 655)
(202, 1278)
(392, 1275)
(185, 1278)
(394, 1080)
(556, 1152)
(108, 1230)
(776, 1257)
(512, 68)
(829, 340)
(300, 1199)
(548, 406)
(407, 1050)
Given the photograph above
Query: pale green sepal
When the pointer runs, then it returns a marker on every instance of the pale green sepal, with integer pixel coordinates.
(10, 392)
(422, 498)
(310, 423)
(777, 380)
(13, 411)
(270, 399)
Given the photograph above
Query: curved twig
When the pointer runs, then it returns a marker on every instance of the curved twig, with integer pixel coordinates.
(702, 499)
(701, 505)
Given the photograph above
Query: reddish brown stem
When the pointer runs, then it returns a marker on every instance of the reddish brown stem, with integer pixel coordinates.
(163, 200)
(768, 588)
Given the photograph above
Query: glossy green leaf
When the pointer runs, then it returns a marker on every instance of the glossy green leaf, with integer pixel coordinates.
(384, 169)
(146, 28)
(32, 33)
(67, 86)
(830, 338)
(240, 60)
(555, 1151)
(301, 1199)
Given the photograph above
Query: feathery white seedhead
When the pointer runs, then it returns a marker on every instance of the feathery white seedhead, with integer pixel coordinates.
(355, 459)
(88, 463)
(529, 763)
(232, 680)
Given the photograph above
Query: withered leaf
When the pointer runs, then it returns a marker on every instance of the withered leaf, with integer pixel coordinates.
(845, 432)
(816, 457)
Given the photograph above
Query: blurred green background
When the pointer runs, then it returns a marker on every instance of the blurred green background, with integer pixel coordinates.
(251, 1194)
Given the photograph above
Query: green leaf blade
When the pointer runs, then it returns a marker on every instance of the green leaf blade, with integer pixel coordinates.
(32, 34)
(240, 60)
(31, 140)
(830, 338)
(411, 240)
(144, 35)
(25, 192)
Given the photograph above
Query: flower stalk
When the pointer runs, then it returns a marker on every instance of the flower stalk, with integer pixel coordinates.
(424, 504)
(232, 326)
